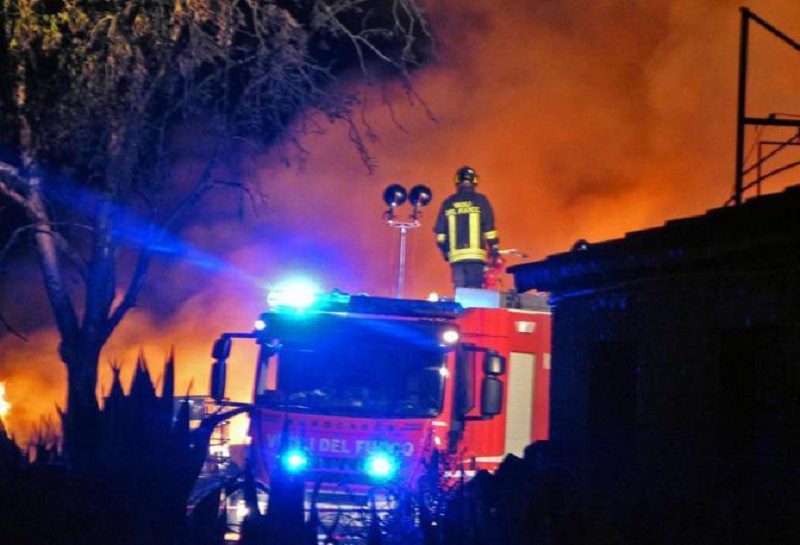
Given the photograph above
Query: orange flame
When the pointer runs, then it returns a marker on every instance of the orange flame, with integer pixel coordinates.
(5, 406)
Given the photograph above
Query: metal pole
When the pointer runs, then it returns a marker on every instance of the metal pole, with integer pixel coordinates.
(401, 267)
(740, 109)
(758, 171)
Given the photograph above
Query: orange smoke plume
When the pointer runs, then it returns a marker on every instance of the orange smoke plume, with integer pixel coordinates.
(583, 119)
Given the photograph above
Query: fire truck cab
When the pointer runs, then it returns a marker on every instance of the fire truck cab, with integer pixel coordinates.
(364, 390)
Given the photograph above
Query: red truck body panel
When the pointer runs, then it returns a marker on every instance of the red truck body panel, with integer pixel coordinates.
(523, 338)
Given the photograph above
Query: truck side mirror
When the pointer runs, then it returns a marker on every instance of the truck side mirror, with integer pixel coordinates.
(222, 349)
(494, 364)
(220, 352)
(491, 396)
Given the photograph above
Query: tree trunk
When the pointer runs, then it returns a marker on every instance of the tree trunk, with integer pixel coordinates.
(78, 351)
(81, 422)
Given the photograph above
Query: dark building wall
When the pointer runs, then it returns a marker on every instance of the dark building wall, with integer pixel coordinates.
(675, 390)
(671, 375)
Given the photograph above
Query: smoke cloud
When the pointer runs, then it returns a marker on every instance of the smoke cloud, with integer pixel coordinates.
(583, 119)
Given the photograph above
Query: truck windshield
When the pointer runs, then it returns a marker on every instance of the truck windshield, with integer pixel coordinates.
(361, 367)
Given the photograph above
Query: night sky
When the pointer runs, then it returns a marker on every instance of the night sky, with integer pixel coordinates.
(584, 119)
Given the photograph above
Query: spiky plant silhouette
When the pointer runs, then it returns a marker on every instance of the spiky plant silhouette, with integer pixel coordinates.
(151, 453)
(136, 491)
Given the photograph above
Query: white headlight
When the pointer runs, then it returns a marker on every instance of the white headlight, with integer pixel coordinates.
(450, 336)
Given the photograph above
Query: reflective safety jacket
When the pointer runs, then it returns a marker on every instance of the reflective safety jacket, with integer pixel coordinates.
(465, 227)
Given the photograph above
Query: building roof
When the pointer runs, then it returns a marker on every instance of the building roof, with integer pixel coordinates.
(761, 234)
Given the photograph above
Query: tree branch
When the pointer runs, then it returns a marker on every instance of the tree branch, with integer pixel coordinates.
(255, 199)
(62, 244)
(7, 191)
(132, 293)
(11, 329)
(13, 240)
(203, 185)
(359, 40)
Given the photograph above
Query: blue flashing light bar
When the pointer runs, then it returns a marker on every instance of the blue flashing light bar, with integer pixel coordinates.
(300, 296)
(337, 301)
(297, 294)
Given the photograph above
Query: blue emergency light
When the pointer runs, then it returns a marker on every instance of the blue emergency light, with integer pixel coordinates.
(294, 461)
(296, 294)
(381, 466)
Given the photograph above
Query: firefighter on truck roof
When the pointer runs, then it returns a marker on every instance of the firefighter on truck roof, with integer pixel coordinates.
(465, 231)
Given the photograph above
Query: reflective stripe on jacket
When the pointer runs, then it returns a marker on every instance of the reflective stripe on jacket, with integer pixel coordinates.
(464, 226)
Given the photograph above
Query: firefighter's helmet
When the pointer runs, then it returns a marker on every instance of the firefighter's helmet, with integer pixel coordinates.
(466, 174)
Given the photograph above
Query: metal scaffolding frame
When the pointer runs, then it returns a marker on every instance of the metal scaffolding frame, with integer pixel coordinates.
(743, 120)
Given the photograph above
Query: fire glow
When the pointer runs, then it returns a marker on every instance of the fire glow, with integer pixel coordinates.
(5, 406)
(578, 128)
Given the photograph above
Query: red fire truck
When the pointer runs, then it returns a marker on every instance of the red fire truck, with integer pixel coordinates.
(364, 390)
